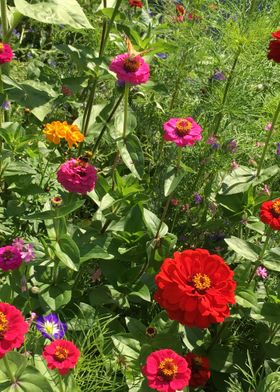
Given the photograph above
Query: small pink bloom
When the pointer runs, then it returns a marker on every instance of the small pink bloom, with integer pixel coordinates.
(130, 69)
(234, 165)
(166, 371)
(175, 202)
(6, 53)
(10, 258)
(185, 207)
(268, 127)
(28, 253)
(18, 243)
(262, 272)
(182, 131)
(77, 176)
(260, 144)
(265, 190)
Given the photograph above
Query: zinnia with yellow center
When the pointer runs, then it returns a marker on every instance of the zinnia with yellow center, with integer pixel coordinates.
(57, 130)
(270, 213)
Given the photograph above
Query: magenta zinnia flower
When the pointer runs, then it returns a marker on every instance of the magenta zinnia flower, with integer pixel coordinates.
(10, 258)
(182, 131)
(77, 176)
(130, 69)
(6, 53)
(166, 371)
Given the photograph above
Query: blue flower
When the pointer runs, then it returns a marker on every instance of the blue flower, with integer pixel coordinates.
(51, 327)
(6, 105)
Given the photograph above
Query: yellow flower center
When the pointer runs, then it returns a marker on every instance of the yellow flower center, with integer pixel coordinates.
(1, 47)
(168, 369)
(131, 64)
(183, 126)
(276, 207)
(61, 353)
(3, 324)
(201, 281)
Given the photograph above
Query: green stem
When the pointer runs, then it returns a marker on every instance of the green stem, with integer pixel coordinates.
(60, 384)
(110, 24)
(126, 94)
(269, 134)
(260, 258)
(4, 19)
(43, 173)
(10, 374)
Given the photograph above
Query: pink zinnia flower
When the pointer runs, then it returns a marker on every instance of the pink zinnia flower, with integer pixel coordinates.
(10, 258)
(130, 69)
(77, 176)
(6, 53)
(182, 131)
(61, 355)
(166, 371)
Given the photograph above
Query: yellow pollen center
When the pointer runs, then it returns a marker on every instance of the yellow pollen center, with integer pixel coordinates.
(131, 64)
(276, 207)
(3, 324)
(201, 281)
(183, 126)
(1, 47)
(61, 353)
(168, 369)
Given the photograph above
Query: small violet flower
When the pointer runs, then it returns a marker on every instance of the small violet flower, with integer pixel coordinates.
(198, 199)
(219, 75)
(262, 272)
(6, 105)
(51, 327)
(213, 141)
(278, 149)
(232, 145)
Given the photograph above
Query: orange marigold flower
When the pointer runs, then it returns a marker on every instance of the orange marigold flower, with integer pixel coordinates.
(57, 130)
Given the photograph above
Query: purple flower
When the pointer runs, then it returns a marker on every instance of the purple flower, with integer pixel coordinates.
(10, 258)
(16, 33)
(218, 75)
(213, 141)
(278, 149)
(6, 105)
(232, 145)
(27, 253)
(265, 190)
(198, 199)
(51, 327)
(162, 55)
(262, 272)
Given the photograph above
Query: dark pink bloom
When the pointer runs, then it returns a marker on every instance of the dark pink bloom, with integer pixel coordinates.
(77, 176)
(10, 258)
(6, 53)
(182, 131)
(166, 371)
(130, 69)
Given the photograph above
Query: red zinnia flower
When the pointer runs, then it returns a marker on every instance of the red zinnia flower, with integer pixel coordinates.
(6, 53)
(200, 370)
(61, 355)
(270, 213)
(195, 288)
(135, 3)
(12, 328)
(166, 371)
(274, 47)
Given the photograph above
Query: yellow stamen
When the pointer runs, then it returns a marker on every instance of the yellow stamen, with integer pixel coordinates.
(168, 369)
(201, 281)
(61, 353)
(131, 64)
(276, 207)
(3, 324)
(183, 126)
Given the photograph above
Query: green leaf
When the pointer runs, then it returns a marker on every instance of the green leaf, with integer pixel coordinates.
(246, 298)
(70, 248)
(243, 248)
(55, 12)
(142, 292)
(57, 212)
(126, 346)
(55, 297)
(64, 258)
(270, 383)
(131, 152)
(152, 222)
(272, 259)
(172, 179)
(223, 359)
(271, 312)
(117, 130)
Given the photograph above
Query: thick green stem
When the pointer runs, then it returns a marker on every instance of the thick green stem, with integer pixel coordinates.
(4, 19)
(10, 373)
(60, 384)
(260, 258)
(269, 134)
(125, 113)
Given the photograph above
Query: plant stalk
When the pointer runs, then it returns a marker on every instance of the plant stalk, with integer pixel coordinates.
(260, 258)
(10, 373)
(4, 19)
(125, 113)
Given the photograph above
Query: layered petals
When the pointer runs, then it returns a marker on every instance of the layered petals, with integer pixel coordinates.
(182, 131)
(130, 69)
(270, 213)
(61, 355)
(200, 372)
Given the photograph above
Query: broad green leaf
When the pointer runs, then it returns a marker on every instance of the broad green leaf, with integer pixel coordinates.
(224, 359)
(152, 223)
(142, 292)
(271, 312)
(70, 248)
(126, 346)
(58, 212)
(116, 131)
(270, 383)
(173, 177)
(67, 12)
(246, 298)
(243, 248)
(131, 152)
(271, 259)
(63, 257)
(55, 297)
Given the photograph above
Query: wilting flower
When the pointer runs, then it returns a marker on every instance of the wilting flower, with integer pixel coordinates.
(166, 371)
(181, 12)
(135, 3)
(232, 145)
(77, 176)
(175, 202)
(270, 213)
(182, 131)
(213, 141)
(12, 328)
(219, 75)
(61, 355)
(66, 91)
(130, 69)
(262, 272)
(51, 327)
(57, 130)
(6, 53)
(10, 258)
(195, 288)
(274, 47)
(265, 190)
(200, 372)
(151, 332)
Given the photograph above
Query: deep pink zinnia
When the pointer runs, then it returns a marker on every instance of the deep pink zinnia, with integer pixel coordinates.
(62, 355)
(182, 131)
(6, 53)
(10, 258)
(130, 69)
(166, 371)
(77, 176)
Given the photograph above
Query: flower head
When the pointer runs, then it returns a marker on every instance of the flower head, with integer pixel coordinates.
(57, 130)
(151, 331)
(66, 91)
(10, 258)
(182, 131)
(6, 53)
(12, 328)
(135, 3)
(213, 141)
(270, 213)
(268, 126)
(28, 253)
(218, 75)
(61, 355)
(51, 327)
(262, 272)
(274, 47)
(234, 165)
(198, 199)
(175, 202)
(77, 176)
(278, 149)
(18, 243)
(200, 369)
(6, 105)
(232, 145)
(195, 288)
(166, 371)
(130, 69)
